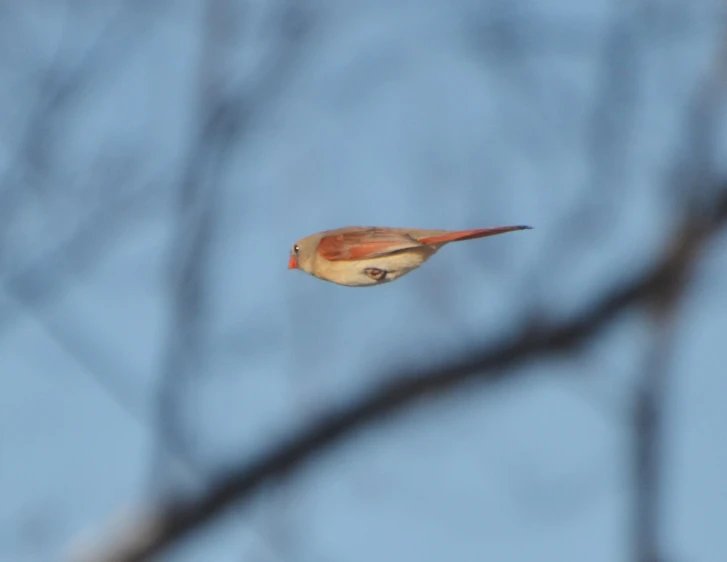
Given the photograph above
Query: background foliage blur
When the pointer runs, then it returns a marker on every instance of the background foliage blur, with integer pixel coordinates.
(158, 158)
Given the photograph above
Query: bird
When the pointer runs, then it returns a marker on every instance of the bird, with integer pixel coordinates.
(365, 256)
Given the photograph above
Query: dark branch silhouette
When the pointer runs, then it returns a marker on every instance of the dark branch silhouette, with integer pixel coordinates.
(223, 122)
(648, 435)
(58, 91)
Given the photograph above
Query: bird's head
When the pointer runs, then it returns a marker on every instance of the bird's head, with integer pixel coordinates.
(303, 252)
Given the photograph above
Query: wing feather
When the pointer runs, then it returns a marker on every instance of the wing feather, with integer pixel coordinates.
(363, 243)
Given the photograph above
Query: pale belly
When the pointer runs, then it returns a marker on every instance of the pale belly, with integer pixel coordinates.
(374, 271)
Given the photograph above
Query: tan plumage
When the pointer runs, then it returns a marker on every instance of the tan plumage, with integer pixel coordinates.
(360, 256)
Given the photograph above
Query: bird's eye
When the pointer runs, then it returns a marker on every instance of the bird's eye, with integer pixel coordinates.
(296, 248)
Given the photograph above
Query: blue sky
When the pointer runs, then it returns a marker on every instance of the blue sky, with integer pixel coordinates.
(425, 114)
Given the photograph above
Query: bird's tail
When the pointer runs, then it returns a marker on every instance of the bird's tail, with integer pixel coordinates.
(470, 234)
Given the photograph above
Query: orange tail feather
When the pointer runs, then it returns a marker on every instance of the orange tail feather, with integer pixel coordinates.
(470, 234)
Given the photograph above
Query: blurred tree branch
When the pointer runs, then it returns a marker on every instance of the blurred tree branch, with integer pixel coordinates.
(694, 168)
(36, 283)
(647, 435)
(57, 91)
(489, 364)
(196, 208)
(222, 121)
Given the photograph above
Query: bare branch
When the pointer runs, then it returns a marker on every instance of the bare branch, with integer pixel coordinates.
(57, 92)
(694, 170)
(224, 120)
(648, 438)
(45, 277)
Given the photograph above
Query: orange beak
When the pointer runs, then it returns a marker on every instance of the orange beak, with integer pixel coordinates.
(293, 263)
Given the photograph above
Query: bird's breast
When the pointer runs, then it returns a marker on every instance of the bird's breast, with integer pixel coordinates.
(372, 271)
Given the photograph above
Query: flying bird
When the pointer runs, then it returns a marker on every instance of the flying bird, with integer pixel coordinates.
(362, 256)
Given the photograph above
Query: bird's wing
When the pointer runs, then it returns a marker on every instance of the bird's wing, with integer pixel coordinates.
(363, 243)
